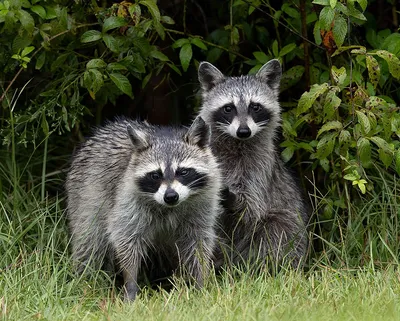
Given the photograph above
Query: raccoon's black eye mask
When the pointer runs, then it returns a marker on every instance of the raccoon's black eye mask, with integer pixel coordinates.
(225, 114)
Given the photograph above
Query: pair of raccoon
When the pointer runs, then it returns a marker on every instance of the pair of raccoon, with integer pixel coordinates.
(137, 191)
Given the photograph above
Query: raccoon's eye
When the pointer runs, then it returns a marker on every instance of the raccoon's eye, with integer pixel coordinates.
(255, 106)
(155, 176)
(183, 172)
(228, 108)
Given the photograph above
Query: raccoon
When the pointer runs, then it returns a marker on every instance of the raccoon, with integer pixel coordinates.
(268, 217)
(137, 191)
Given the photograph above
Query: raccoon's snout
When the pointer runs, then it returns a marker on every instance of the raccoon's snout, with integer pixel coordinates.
(243, 132)
(171, 197)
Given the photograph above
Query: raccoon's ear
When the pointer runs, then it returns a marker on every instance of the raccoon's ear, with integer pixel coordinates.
(271, 73)
(199, 133)
(209, 75)
(139, 139)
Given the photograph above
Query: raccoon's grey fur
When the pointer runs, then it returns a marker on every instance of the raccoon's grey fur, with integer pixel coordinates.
(269, 215)
(137, 191)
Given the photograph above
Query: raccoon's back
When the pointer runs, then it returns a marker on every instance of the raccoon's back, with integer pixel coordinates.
(100, 162)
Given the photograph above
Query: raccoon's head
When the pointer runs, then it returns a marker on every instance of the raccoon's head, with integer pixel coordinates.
(171, 164)
(241, 106)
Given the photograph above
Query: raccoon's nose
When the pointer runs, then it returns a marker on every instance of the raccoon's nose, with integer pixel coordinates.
(243, 132)
(171, 197)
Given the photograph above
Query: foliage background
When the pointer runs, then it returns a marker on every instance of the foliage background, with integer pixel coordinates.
(66, 66)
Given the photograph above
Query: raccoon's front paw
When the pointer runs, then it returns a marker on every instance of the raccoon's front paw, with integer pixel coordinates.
(130, 291)
(228, 199)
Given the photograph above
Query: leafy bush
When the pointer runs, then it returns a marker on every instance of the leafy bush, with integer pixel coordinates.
(64, 66)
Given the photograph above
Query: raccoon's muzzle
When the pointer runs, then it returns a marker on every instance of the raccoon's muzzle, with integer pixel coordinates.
(171, 197)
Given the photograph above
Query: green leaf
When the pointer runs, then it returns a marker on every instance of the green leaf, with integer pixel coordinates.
(159, 28)
(324, 164)
(261, 57)
(364, 121)
(197, 42)
(26, 51)
(45, 124)
(329, 126)
(374, 72)
(392, 61)
(97, 80)
(122, 83)
(326, 17)
(167, 20)
(364, 152)
(381, 143)
(339, 30)
(59, 61)
(51, 12)
(40, 60)
(111, 42)
(386, 157)
(90, 36)
(26, 20)
(185, 55)
(286, 8)
(275, 49)
(339, 75)
(308, 98)
(174, 68)
(115, 66)
(288, 48)
(153, 9)
(352, 11)
(180, 42)
(256, 68)
(321, 2)
(361, 186)
(159, 55)
(291, 77)
(317, 33)
(235, 36)
(113, 22)
(333, 3)
(363, 4)
(21, 42)
(344, 137)
(332, 102)
(287, 154)
(146, 80)
(375, 102)
(351, 177)
(325, 145)
(96, 63)
(39, 10)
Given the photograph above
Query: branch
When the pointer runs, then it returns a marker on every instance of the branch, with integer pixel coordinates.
(305, 43)
(37, 51)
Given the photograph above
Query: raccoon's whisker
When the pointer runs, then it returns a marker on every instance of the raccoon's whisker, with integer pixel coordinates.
(195, 181)
(262, 123)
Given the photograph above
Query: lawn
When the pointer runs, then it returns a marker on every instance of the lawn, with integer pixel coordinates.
(37, 283)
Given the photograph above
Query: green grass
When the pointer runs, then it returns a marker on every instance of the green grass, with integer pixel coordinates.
(37, 281)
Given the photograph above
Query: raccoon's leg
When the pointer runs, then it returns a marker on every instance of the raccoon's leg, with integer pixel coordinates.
(228, 199)
(89, 242)
(130, 258)
(282, 235)
(195, 254)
